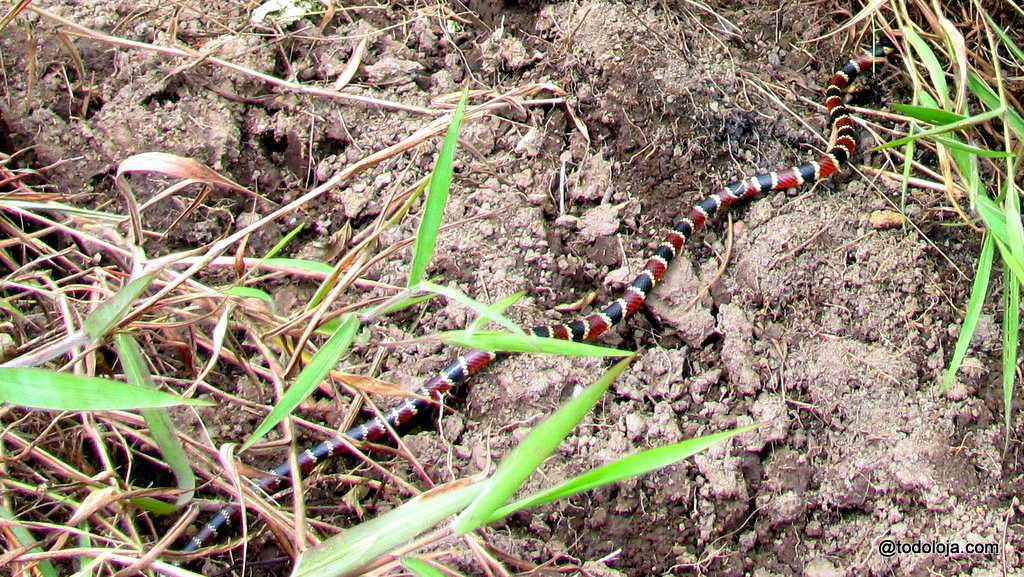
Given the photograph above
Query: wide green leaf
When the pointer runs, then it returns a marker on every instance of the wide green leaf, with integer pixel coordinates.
(936, 72)
(310, 377)
(420, 568)
(974, 304)
(159, 422)
(625, 468)
(479, 308)
(20, 536)
(45, 389)
(1011, 338)
(437, 198)
(987, 96)
(354, 548)
(928, 114)
(531, 452)
(498, 341)
(107, 315)
(944, 128)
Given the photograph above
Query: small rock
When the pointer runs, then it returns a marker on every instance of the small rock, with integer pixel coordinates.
(885, 219)
(737, 349)
(636, 426)
(8, 346)
(785, 509)
(771, 413)
(619, 277)
(724, 478)
(957, 390)
(507, 50)
(392, 70)
(600, 221)
(568, 221)
(821, 567)
(593, 180)
(530, 144)
(674, 304)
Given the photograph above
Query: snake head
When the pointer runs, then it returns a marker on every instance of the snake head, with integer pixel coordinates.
(884, 47)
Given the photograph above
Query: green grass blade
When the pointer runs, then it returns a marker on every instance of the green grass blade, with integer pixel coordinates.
(283, 242)
(352, 549)
(310, 377)
(325, 288)
(299, 264)
(332, 273)
(986, 95)
(936, 72)
(1014, 228)
(159, 422)
(1015, 50)
(972, 181)
(908, 165)
(437, 198)
(479, 308)
(278, 247)
(970, 148)
(247, 292)
(107, 315)
(1011, 326)
(928, 114)
(498, 307)
(978, 291)
(94, 566)
(1009, 259)
(154, 506)
(66, 209)
(498, 341)
(328, 327)
(44, 389)
(420, 568)
(1011, 289)
(966, 162)
(943, 129)
(625, 468)
(994, 219)
(412, 301)
(12, 310)
(23, 537)
(522, 461)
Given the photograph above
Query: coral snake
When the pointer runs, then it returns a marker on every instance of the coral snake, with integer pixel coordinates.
(843, 144)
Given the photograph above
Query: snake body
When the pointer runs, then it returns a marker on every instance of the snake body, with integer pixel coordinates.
(842, 147)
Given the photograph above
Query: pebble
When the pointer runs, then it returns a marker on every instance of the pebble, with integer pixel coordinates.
(886, 219)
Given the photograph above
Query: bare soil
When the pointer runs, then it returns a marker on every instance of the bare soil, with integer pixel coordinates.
(803, 317)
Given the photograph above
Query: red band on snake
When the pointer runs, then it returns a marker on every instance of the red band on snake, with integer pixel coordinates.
(843, 145)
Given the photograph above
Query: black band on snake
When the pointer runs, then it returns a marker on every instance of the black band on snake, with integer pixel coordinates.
(843, 145)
